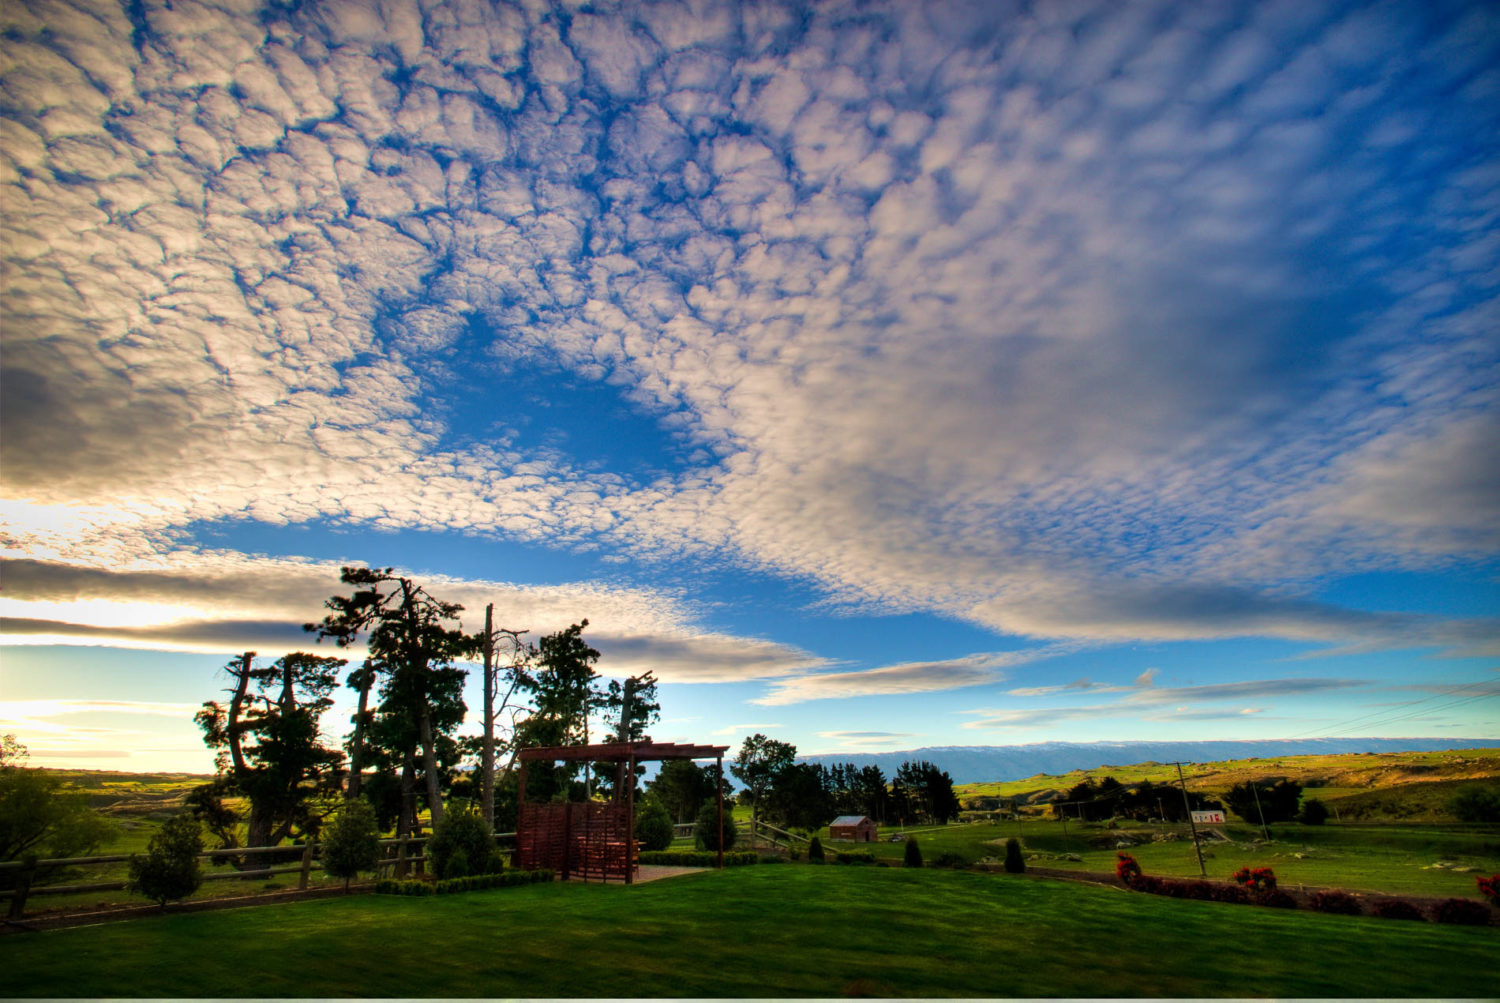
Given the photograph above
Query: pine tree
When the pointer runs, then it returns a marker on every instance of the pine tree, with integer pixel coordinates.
(913, 853)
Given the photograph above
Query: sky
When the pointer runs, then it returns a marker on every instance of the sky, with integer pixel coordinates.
(879, 375)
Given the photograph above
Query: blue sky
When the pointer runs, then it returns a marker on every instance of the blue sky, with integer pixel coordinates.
(879, 375)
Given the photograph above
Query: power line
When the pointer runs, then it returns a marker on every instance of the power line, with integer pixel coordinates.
(1364, 719)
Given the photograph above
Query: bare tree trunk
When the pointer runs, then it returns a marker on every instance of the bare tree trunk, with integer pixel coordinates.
(356, 745)
(408, 812)
(236, 703)
(430, 766)
(487, 754)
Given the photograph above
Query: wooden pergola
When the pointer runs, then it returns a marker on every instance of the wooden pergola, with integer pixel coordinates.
(594, 838)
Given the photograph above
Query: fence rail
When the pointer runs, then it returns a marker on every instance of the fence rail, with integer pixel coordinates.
(27, 871)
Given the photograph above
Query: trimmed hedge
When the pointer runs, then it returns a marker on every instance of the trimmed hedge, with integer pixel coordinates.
(471, 883)
(854, 858)
(697, 858)
(1465, 911)
(1396, 909)
(1334, 901)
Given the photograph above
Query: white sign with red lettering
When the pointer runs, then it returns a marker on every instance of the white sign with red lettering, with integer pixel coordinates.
(1208, 816)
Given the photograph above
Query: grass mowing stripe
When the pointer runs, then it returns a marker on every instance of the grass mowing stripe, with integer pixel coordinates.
(773, 931)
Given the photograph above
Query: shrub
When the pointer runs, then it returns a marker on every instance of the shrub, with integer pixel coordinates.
(473, 882)
(463, 833)
(1237, 894)
(913, 854)
(169, 870)
(1126, 868)
(1334, 901)
(1255, 880)
(350, 843)
(1276, 900)
(948, 858)
(1014, 862)
(864, 857)
(1477, 804)
(1489, 887)
(1466, 911)
(698, 858)
(1314, 812)
(815, 851)
(1395, 909)
(653, 824)
(706, 831)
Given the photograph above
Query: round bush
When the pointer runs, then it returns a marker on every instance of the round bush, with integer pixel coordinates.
(1313, 812)
(1465, 911)
(706, 831)
(464, 831)
(1335, 901)
(653, 825)
(1396, 909)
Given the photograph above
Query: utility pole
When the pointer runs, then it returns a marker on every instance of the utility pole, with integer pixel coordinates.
(487, 750)
(1255, 789)
(1187, 805)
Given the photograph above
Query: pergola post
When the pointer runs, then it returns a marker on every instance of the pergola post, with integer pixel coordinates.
(719, 776)
(629, 819)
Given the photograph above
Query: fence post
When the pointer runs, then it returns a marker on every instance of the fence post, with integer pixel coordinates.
(23, 887)
(307, 855)
(401, 861)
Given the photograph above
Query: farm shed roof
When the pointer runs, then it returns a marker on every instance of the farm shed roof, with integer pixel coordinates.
(850, 820)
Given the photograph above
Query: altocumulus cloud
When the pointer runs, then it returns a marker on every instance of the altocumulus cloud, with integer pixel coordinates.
(1085, 322)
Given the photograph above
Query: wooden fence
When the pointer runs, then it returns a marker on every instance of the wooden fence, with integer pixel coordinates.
(397, 858)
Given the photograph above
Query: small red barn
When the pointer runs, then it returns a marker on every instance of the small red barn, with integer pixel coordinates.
(855, 828)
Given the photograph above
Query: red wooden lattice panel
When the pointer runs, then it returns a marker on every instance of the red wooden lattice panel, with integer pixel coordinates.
(588, 839)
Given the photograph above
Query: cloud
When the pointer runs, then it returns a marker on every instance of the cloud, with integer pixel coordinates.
(1089, 324)
(907, 677)
(1152, 702)
(225, 604)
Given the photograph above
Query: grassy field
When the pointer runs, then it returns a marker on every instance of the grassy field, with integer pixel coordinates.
(1330, 777)
(758, 931)
(1397, 860)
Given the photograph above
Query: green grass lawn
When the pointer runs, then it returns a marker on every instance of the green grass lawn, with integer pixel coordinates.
(758, 931)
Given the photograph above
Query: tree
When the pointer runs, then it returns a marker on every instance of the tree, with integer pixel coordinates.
(682, 786)
(38, 815)
(169, 870)
(413, 639)
(706, 831)
(635, 699)
(1014, 862)
(913, 857)
(760, 761)
(653, 826)
(1477, 804)
(797, 798)
(564, 695)
(269, 747)
(351, 843)
(1262, 802)
(498, 645)
(922, 791)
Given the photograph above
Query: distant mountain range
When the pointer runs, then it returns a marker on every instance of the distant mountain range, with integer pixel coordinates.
(969, 764)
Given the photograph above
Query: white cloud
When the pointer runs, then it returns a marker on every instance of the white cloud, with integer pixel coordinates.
(1094, 324)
